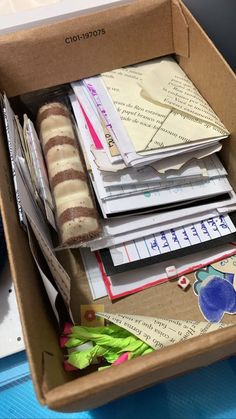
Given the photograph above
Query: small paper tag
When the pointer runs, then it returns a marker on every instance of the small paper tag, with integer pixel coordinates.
(88, 315)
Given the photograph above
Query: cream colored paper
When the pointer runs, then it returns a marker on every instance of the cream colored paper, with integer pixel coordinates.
(159, 333)
(168, 85)
(160, 107)
(140, 117)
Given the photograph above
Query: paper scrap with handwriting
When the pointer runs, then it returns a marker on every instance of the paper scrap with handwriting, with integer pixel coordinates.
(160, 107)
(159, 333)
(172, 239)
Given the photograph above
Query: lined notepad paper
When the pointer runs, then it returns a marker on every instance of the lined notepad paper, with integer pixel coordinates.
(172, 239)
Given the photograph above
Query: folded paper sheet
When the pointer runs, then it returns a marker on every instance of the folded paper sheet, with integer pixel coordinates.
(160, 107)
(159, 333)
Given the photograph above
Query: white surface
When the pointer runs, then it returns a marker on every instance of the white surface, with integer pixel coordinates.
(61, 9)
(11, 338)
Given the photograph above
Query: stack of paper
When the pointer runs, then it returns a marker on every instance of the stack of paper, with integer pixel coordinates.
(150, 142)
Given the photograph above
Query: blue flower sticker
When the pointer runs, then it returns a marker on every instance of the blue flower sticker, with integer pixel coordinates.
(216, 297)
(203, 275)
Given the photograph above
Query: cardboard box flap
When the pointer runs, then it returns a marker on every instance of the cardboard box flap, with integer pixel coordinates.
(32, 301)
(180, 30)
(84, 46)
(142, 372)
(216, 82)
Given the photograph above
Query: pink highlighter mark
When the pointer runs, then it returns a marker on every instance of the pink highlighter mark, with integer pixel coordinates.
(92, 131)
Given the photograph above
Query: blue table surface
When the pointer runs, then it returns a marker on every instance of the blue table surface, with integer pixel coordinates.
(208, 393)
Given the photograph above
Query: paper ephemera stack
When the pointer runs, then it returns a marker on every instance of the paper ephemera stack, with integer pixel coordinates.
(150, 142)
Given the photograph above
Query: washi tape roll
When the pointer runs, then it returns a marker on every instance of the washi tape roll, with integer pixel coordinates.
(77, 218)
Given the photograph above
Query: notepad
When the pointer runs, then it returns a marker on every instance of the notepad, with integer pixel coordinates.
(174, 242)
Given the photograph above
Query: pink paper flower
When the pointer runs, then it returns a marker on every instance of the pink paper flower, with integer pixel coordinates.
(62, 341)
(68, 367)
(122, 358)
(67, 328)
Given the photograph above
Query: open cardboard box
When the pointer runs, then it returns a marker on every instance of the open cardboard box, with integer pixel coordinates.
(37, 58)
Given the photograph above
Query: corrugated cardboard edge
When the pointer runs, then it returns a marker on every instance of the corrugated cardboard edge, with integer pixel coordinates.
(36, 306)
(21, 311)
(216, 81)
(142, 372)
(180, 30)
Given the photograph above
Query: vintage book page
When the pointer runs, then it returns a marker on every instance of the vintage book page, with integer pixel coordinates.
(160, 107)
(159, 333)
(140, 117)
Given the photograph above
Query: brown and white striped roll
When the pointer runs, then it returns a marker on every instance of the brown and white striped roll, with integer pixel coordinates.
(77, 217)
